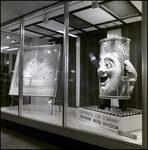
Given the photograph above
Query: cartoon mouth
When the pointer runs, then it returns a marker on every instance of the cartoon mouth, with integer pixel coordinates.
(104, 80)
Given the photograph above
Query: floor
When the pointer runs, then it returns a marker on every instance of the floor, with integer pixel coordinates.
(14, 140)
(43, 113)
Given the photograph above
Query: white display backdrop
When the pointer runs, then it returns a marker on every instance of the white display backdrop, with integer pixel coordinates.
(40, 72)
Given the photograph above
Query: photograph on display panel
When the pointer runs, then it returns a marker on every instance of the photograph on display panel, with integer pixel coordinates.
(40, 72)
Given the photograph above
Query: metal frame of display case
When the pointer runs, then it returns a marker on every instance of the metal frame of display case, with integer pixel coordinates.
(21, 55)
(144, 74)
(99, 140)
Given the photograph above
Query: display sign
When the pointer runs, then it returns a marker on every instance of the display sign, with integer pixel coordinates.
(109, 121)
(40, 71)
(129, 135)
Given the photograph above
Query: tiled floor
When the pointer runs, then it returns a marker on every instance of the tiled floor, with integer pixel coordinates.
(14, 140)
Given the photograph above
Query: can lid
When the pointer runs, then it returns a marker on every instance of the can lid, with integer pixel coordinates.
(115, 38)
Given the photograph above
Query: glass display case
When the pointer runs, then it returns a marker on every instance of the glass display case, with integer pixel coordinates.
(108, 65)
(81, 72)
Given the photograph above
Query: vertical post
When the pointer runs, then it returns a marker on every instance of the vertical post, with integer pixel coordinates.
(78, 72)
(21, 59)
(10, 61)
(114, 33)
(144, 74)
(66, 60)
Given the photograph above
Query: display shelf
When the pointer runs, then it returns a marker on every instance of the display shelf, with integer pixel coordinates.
(42, 114)
(112, 119)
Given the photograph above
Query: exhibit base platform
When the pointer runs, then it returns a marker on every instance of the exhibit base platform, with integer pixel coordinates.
(112, 119)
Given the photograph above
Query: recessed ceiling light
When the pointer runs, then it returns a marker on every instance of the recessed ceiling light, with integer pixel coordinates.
(8, 36)
(49, 52)
(13, 41)
(72, 71)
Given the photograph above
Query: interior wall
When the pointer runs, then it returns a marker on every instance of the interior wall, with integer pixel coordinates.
(134, 32)
(89, 83)
(4, 65)
(72, 72)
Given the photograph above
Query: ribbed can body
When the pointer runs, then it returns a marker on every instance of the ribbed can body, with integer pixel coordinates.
(113, 79)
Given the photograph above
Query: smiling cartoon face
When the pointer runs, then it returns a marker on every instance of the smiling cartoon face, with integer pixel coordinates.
(112, 73)
(109, 73)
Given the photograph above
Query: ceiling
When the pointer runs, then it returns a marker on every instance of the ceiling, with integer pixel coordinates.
(82, 18)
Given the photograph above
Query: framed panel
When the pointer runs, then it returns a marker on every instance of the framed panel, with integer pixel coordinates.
(40, 73)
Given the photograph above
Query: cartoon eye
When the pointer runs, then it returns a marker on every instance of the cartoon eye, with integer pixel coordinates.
(99, 63)
(108, 64)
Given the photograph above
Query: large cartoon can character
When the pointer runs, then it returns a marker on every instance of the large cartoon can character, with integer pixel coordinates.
(116, 74)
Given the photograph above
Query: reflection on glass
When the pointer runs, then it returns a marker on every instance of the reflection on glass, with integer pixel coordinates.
(9, 103)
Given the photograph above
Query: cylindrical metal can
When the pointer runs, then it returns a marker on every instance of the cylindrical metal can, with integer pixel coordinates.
(113, 79)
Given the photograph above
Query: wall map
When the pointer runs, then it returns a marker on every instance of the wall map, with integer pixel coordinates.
(40, 72)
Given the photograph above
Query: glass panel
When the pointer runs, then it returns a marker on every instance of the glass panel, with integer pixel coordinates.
(42, 86)
(9, 49)
(105, 75)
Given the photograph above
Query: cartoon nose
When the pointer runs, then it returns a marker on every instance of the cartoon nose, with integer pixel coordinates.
(101, 72)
